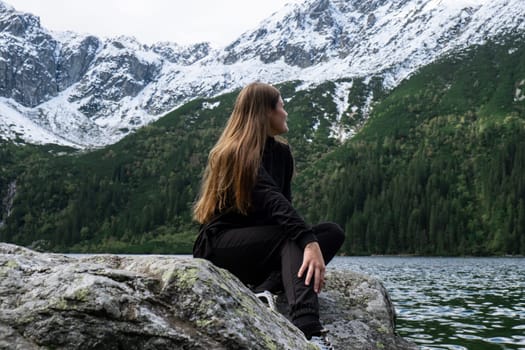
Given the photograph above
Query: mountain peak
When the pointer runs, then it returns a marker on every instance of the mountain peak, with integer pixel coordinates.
(17, 23)
(6, 7)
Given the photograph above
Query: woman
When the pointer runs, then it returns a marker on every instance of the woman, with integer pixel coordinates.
(249, 225)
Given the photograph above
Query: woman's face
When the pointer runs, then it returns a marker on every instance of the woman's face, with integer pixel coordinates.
(277, 119)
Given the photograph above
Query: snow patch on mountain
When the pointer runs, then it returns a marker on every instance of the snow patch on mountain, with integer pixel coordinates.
(15, 124)
(97, 91)
(210, 105)
(341, 100)
(519, 94)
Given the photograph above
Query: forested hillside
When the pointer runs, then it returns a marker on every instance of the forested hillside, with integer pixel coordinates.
(440, 166)
(437, 169)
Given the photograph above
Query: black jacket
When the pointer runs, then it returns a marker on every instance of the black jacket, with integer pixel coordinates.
(271, 203)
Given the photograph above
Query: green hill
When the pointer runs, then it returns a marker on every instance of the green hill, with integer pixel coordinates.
(437, 168)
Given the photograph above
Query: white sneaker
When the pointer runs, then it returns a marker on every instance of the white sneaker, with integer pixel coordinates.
(268, 298)
(321, 341)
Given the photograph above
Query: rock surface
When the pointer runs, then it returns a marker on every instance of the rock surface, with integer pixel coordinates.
(158, 302)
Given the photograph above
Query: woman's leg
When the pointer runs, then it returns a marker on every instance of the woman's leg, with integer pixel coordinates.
(253, 253)
(303, 301)
(304, 304)
(250, 253)
(330, 237)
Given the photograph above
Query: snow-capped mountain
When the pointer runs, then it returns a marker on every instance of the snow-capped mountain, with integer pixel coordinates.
(83, 91)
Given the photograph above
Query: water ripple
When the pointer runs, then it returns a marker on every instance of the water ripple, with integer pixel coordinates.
(453, 303)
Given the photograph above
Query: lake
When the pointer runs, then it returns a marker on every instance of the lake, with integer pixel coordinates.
(452, 303)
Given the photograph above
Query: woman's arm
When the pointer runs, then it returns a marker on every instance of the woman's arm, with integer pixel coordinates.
(267, 198)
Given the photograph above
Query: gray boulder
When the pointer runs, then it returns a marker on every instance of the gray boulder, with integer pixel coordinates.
(51, 301)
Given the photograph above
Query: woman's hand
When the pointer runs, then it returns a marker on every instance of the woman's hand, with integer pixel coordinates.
(313, 265)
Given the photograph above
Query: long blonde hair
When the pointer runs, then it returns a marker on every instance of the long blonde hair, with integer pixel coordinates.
(234, 161)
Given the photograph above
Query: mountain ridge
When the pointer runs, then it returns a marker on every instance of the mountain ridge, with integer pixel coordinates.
(92, 92)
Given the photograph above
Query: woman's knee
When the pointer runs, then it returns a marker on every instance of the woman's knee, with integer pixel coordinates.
(331, 229)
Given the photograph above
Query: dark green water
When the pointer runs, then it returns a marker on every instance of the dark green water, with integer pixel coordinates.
(453, 303)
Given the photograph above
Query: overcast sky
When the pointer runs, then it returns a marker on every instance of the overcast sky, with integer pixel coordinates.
(181, 21)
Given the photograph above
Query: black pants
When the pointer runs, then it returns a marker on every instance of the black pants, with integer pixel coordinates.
(254, 253)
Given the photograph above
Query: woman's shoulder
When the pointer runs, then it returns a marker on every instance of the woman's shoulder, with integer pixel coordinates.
(277, 147)
(282, 144)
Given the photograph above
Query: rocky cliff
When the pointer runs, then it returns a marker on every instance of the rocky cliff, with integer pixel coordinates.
(51, 301)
